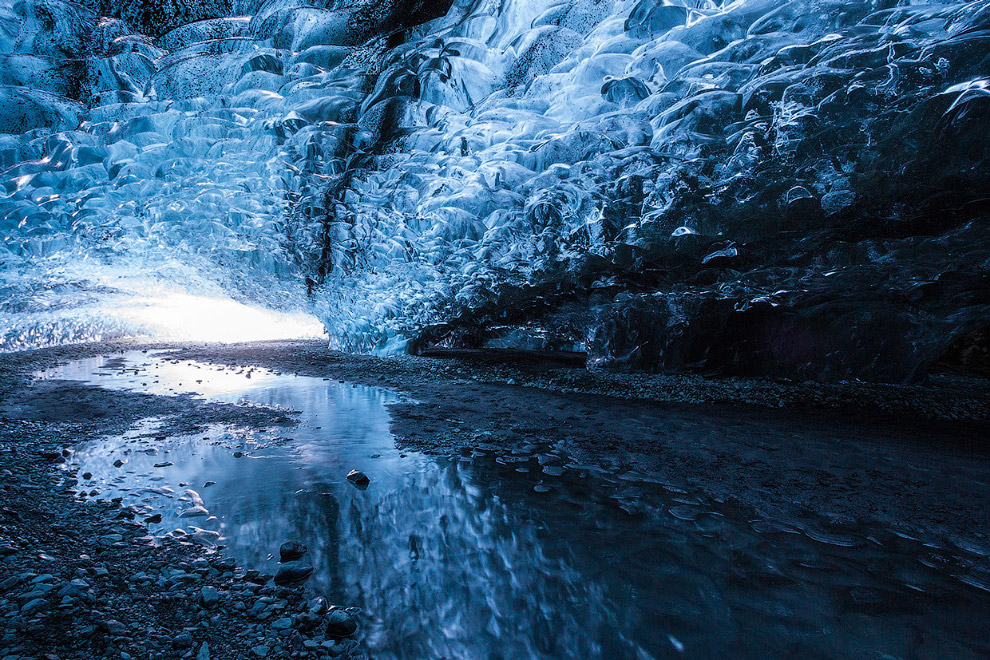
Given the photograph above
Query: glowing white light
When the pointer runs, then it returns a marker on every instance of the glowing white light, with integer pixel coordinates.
(184, 317)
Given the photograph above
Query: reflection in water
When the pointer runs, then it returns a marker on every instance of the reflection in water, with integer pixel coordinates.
(520, 556)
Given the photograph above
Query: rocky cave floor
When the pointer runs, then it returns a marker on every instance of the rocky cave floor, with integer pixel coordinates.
(81, 578)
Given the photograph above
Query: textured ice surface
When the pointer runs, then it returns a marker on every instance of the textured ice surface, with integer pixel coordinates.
(784, 188)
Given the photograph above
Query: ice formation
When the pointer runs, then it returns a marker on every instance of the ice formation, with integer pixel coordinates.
(752, 187)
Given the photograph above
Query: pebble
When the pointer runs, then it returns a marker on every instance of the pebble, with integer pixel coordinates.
(358, 478)
(74, 588)
(209, 596)
(116, 628)
(341, 624)
(34, 605)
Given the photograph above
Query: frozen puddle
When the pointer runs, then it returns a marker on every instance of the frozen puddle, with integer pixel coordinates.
(519, 556)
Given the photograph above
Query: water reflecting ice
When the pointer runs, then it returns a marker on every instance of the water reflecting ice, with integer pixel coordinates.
(527, 555)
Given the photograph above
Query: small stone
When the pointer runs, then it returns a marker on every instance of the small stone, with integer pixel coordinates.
(154, 518)
(359, 479)
(282, 624)
(261, 651)
(204, 652)
(74, 588)
(209, 596)
(118, 463)
(11, 582)
(209, 483)
(33, 606)
(116, 628)
(183, 641)
(291, 551)
(307, 621)
(341, 624)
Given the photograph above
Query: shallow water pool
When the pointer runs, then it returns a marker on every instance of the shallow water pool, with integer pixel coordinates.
(519, 555)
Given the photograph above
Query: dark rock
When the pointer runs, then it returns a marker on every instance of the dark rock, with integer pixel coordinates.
(317, 605)
(11, 582)
(291, 551)
(358, 478)
(116, 628)
(341, 624)
(74, 588)
(208, 596)
(307, 621)
(292, 572)
(33, 606)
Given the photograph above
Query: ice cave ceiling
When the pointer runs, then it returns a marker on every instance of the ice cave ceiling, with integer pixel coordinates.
(756, 187)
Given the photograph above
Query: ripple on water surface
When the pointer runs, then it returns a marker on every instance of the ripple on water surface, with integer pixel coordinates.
(526, 555)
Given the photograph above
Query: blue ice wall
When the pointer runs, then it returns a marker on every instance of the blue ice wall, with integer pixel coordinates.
(755, 187)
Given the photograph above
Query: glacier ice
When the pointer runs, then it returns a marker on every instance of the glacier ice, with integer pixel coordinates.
(787, 188)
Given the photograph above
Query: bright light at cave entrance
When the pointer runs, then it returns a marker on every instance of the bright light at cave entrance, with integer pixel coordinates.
(184, 317)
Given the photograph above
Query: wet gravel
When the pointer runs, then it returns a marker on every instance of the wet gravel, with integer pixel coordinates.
(82, 579)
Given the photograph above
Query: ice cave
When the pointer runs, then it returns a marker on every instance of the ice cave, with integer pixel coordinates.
(494, 329)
